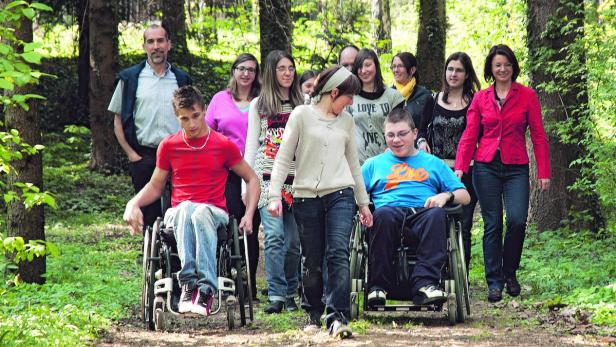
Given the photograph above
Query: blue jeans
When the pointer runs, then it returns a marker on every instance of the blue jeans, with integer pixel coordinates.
(195, 228)
(325, 225)
(496, 183)
(282, 254)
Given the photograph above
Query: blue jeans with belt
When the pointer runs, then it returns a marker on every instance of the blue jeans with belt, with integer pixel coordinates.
(325, 225)
(497, 183)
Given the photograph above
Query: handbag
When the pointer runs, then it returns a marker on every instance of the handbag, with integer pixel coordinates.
(430, 127)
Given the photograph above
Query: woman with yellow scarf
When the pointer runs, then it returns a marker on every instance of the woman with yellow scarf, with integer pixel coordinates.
(404, 67)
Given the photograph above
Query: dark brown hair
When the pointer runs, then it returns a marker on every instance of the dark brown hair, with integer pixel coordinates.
(400, 114)
(500, 50)
(187, 97)
(409, 61)
(471, 82)
(366, 53)
(255, 88)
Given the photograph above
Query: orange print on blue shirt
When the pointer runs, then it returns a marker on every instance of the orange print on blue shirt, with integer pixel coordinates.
(402, 172)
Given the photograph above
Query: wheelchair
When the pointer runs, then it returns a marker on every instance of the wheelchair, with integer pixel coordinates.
(454, 280)
(161, 264)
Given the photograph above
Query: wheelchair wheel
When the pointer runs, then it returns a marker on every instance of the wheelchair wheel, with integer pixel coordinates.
(231, 303)
(356, 289)
(249, 284)
(151, 266)
(356, 254)
(464, 273)
(457, 277)
(239, 269)
(144, 288)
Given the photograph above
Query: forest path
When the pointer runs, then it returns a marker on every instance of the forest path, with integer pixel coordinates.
(507, 323)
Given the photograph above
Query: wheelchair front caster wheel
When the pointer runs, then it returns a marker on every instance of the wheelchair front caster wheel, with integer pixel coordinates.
(160, 321)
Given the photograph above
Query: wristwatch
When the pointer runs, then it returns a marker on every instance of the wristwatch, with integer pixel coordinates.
(451, 197)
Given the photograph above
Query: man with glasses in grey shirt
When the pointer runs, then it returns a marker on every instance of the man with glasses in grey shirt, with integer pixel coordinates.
(143, 111)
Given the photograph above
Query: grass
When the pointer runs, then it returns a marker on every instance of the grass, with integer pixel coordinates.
(95, 280)
(563, 267)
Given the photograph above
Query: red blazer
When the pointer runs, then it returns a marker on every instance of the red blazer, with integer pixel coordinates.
(504, 129)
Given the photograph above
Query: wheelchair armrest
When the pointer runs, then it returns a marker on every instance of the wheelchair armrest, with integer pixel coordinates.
(453, 210)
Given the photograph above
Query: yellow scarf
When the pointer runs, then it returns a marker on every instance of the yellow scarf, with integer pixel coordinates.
(406, 89)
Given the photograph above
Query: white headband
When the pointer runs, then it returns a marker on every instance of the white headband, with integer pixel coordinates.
(337, 78)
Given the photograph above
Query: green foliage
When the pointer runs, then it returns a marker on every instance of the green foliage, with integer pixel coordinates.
(79, 190)
(26, 251)
(94, 281)
(576, 269)
(321, 30)
(95, 278)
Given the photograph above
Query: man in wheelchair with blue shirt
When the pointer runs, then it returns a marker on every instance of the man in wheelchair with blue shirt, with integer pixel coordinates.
(409, 189)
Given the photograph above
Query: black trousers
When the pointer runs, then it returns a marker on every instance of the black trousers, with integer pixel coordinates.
(424, 232)
(235, 206)
(140, 172)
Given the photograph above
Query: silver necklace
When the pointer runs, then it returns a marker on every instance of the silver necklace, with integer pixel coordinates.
(193, 147)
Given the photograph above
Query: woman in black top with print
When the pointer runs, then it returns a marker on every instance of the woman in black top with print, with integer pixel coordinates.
(443, 122)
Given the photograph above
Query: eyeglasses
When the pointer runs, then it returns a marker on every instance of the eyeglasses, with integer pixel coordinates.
(243, 69)
(285, 68)
(456, 70)
(400, 135)
(398, 66)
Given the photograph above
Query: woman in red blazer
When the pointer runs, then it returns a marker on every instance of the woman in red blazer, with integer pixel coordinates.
(494, 137)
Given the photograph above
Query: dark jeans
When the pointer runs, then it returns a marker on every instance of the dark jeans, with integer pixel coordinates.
(235, 206)
(322, 221)
(496, 183)
(467, 216)
(424, 231)
(140, 173)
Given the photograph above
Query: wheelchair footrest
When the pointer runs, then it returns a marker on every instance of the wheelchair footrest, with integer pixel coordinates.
(226, 285)
(404, 307)
(162, 286)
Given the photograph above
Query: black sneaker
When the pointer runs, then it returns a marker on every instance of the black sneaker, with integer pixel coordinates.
(186, 299)
(495, 294)
(274, 307)
(339, 330)
(513, 286)
(377, 297)
(314, 324)
(291, 305)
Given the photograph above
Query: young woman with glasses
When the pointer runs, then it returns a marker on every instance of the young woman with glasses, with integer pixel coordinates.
(267, 119)
(227, 113)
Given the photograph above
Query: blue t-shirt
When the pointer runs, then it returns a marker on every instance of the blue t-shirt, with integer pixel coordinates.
(407, 182)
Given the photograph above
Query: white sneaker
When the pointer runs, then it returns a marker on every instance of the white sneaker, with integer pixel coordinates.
(187, 299)
(429, 295)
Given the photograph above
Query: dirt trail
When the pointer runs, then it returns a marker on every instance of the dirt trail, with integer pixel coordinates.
(503, 324)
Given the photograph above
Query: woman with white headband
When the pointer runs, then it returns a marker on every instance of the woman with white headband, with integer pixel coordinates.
(328, 185)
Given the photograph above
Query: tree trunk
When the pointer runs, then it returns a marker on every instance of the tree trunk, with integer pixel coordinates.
(104, 66)
(550, 45)
(174, 21)
(27, 223)
(83, 61)
(275, 26)
(431, 42)
(382, 32)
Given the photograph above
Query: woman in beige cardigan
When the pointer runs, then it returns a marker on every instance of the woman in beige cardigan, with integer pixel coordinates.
(328, 185)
